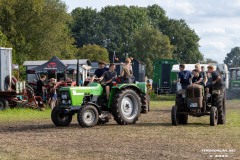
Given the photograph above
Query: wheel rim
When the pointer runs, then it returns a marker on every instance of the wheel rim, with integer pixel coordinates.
(1, 105)
(129, 107)
(89, 116)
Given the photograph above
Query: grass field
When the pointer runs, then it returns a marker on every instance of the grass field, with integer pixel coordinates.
(30, 134)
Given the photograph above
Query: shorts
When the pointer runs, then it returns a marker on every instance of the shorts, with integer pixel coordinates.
(53, 96)
(109, 84)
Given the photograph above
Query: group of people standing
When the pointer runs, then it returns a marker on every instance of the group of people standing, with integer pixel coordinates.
(51, 89)
(209, 79)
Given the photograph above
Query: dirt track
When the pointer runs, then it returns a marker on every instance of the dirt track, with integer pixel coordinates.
(152, 137)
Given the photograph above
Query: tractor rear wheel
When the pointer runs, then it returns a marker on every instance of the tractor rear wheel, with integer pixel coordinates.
(223, 120)
(213, 116)
(145, 103)
(61, 117)
(219, 102)
(126, 107)
(88, 116)
(174, 116)
(3, 104)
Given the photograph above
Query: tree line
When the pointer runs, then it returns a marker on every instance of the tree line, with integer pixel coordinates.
(39, 29)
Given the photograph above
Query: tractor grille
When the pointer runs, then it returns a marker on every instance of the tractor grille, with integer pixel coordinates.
(64, 98)
(194, 91)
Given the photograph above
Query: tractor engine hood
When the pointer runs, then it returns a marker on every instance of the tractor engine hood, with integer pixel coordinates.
(92, 89)
(77, 94)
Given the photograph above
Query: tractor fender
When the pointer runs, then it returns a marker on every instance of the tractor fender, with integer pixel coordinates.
(95, 105)
(139, 91)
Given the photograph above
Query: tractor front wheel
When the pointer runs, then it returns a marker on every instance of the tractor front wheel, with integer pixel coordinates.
(61, 117)
(126, 107)
(174, 116)
(88, 116)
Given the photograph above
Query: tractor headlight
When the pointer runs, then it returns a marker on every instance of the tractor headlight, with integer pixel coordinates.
(64, 95)
(193, 105)
(66, 101)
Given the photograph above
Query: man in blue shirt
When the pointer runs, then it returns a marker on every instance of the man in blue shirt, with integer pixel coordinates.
(184, 76)
(99, 72)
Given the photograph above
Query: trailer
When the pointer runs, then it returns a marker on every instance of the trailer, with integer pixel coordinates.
(234, 85)
(163, 78)
(13, 92)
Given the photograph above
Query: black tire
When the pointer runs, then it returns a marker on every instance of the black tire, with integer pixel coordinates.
(145, 103)
(174, 116)
(61, 117)
(213, 116)
(179, 102)
(218, 101)
(30, 91)
(223, 120)
(88, 116)
(183, 119)
(126, 107)
(3, 104)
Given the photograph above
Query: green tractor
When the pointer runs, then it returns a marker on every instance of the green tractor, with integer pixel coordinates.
(125, 103)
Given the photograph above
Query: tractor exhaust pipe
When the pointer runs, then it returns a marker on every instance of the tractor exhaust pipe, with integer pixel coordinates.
(77, 77)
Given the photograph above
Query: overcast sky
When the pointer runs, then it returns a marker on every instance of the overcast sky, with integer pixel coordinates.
(216, 22)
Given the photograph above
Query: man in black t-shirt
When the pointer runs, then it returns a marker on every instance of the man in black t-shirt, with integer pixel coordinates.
(197, 77)
(108, 77)
(216, 78)
(184, 76)
(99, 72)
(40, 86)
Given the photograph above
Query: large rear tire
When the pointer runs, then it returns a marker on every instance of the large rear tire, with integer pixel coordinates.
(223, 120)
(213, 116)
(88, 116)
(61, 117)
(219, 102)
(145, 103)
(126, 107)
(174, 116)
(3, 104)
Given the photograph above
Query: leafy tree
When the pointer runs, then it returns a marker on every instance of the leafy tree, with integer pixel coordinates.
(233, 58)
(93, 52)
(36, 27)
(151, 44)
(114, 26)
(86, 26)
(3, 40)
(209, 60)
(184, 39)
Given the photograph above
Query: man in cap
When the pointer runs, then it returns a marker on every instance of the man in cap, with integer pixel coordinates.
(99, 72)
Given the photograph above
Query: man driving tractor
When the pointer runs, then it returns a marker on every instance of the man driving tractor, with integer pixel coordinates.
(99, 72)
(108, 77)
